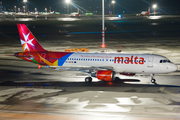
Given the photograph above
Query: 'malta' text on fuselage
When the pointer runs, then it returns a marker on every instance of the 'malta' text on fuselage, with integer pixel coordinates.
(128, 60)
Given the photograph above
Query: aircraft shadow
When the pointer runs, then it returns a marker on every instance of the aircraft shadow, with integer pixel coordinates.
(66, 88)
(116, 83)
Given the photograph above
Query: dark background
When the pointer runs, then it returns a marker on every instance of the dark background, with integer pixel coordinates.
(121, 6)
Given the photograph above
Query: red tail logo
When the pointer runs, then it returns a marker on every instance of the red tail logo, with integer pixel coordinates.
(28, 41)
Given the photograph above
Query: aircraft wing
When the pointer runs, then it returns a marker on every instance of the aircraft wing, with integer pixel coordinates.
(84, 69)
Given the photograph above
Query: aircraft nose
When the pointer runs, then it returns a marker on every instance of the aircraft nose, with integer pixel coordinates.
(174, 67)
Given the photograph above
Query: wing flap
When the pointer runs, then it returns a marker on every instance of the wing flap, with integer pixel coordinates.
(83, 69)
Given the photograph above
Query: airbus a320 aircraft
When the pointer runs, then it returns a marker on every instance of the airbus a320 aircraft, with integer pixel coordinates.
(75, 14)
(100, 65)
(144, 13)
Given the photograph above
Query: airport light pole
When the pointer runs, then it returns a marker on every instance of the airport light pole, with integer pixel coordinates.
(103, 33)
(25, 1)
(45, 10)
(15, 9)
(24, 8)
(154, 6)
(67, 2)
(109, 9)
(113, 2)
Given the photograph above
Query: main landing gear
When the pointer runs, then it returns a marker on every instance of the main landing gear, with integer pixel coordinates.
(88, 79)
(153, 80)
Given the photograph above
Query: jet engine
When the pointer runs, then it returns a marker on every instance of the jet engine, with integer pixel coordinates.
(105, 75)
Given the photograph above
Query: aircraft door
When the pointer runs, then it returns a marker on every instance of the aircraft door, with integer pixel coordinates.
(150, 62)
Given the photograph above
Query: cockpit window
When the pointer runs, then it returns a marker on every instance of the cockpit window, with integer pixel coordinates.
(168, 61)
(165, 61)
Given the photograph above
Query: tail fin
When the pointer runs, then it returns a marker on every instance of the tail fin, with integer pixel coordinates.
(149, 9)
(28, 41)
(78, 11)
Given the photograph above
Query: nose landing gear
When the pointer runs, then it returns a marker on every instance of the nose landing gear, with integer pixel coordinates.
(153, 80)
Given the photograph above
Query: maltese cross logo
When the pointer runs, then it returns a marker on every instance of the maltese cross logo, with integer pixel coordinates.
(26, 42)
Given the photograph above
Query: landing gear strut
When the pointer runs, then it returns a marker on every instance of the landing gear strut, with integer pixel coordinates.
(153, 80)
(88, 79)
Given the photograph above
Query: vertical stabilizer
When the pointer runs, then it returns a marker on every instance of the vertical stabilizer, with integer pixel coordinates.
(28, 41)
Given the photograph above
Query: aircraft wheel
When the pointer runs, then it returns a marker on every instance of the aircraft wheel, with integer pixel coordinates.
(153, 80)
(88, 79)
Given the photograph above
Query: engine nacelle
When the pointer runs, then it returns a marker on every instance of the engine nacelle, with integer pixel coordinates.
(127, 74)
(105, 75)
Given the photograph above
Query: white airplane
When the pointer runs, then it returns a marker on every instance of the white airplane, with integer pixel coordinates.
(144, 13)
(103, 66)
(75, 14)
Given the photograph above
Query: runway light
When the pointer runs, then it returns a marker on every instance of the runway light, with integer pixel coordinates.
(103, 46)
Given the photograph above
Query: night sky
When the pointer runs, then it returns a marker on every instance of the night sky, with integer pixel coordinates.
(129, 6)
